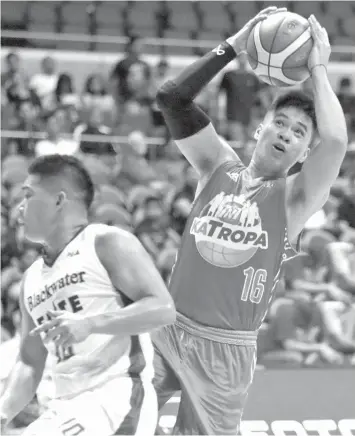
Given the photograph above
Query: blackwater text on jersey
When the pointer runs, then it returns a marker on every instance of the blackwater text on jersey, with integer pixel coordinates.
(49, 290)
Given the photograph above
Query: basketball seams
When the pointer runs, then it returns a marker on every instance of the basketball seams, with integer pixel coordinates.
(286, 66)
(298, 48)
(282, 56)
(272, 45)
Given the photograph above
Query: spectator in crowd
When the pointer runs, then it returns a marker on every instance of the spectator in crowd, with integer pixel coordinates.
(346, 209)
(346, 96)
(240, 87)
(95, 95)
(159, 76)
(339, 326)
(182, 200)
(135, 167)
(153, 228)
(14, 80)
(131, 75)
(57, 141)
(294, 334)
(342, 264)
(93, 126)
(44, 83)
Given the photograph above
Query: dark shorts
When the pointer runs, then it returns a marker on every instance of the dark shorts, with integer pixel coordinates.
(212, 367)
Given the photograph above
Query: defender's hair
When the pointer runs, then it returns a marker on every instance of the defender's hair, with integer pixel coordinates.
(296, 99)
(68, 167)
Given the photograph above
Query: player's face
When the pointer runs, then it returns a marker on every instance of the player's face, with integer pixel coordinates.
(285, 138)
(37, 210)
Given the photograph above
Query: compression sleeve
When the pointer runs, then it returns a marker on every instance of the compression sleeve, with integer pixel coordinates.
(175, 98)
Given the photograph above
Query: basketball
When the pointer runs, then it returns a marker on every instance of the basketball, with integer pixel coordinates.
(278, 49)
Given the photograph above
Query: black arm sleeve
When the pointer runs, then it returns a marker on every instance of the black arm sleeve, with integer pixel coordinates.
(175, 98)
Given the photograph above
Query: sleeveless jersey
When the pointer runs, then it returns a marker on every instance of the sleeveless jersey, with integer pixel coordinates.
(232, 250)
(78, 282)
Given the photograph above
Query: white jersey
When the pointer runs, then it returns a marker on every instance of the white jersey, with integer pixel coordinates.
(78, 282)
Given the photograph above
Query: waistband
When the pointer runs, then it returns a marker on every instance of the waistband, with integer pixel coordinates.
(233, 337)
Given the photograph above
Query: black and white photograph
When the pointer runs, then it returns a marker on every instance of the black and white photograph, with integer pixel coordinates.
(177, 218)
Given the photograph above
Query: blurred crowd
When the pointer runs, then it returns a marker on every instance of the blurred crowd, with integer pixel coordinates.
(147, 187)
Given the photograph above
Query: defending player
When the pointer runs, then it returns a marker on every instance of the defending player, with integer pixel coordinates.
(239, 232)
(91, 299)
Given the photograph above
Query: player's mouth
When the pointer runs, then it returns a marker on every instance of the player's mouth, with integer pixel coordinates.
(279, 147)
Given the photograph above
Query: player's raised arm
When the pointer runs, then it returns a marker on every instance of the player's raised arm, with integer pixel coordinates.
(309, 189)
(132, 271)
(188, 124)
(27, 372)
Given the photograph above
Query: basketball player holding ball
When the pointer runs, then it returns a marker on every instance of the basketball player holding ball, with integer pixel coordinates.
(245, 222)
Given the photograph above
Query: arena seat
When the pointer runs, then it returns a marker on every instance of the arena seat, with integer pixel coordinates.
(215, 17)
(11, 14)
(182, 16)
(340, 9)
(307, 8)
(349, 28)
(42, 14)
(329, 23)
(109, 14)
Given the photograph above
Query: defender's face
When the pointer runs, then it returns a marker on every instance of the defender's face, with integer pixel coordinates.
(285, 137)
(37, 210)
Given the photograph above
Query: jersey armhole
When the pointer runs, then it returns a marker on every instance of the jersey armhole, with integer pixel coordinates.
(225, 166)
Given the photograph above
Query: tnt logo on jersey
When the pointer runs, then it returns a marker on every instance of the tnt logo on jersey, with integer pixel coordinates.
(229, 231)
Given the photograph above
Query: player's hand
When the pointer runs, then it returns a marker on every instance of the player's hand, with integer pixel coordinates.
(65, 328)
(330, 355)
(239, 40)
(321, 50)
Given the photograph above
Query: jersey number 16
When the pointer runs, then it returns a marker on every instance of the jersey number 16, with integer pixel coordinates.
(253, 288)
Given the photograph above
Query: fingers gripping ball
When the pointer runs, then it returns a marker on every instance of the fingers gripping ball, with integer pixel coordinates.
(278, 49)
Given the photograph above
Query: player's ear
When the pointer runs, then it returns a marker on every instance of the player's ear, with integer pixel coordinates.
(258, 131)
(61, 198)
(305, 155)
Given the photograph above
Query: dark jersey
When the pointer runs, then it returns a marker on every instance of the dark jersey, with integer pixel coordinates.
(232, 250)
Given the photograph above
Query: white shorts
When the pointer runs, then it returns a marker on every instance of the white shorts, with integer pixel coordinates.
(122, 406)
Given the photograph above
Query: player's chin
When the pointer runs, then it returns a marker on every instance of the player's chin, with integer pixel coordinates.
(31, 235)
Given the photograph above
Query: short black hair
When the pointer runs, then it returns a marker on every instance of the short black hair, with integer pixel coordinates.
(70, 168)
(299, 100)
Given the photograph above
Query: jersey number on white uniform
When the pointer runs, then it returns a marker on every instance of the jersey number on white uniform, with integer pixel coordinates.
(253, 288)
(64, 353)
(71, 428)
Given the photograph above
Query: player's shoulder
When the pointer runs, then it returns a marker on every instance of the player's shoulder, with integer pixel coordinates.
(104, 229)
(109, 236)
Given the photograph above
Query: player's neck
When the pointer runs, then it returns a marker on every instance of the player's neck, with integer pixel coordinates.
(60, 237)
(258, 170)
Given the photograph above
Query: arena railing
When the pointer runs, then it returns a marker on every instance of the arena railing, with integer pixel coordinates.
(114, 139)
(346, 53)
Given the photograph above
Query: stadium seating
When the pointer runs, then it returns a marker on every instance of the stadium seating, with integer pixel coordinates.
(207, 20)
